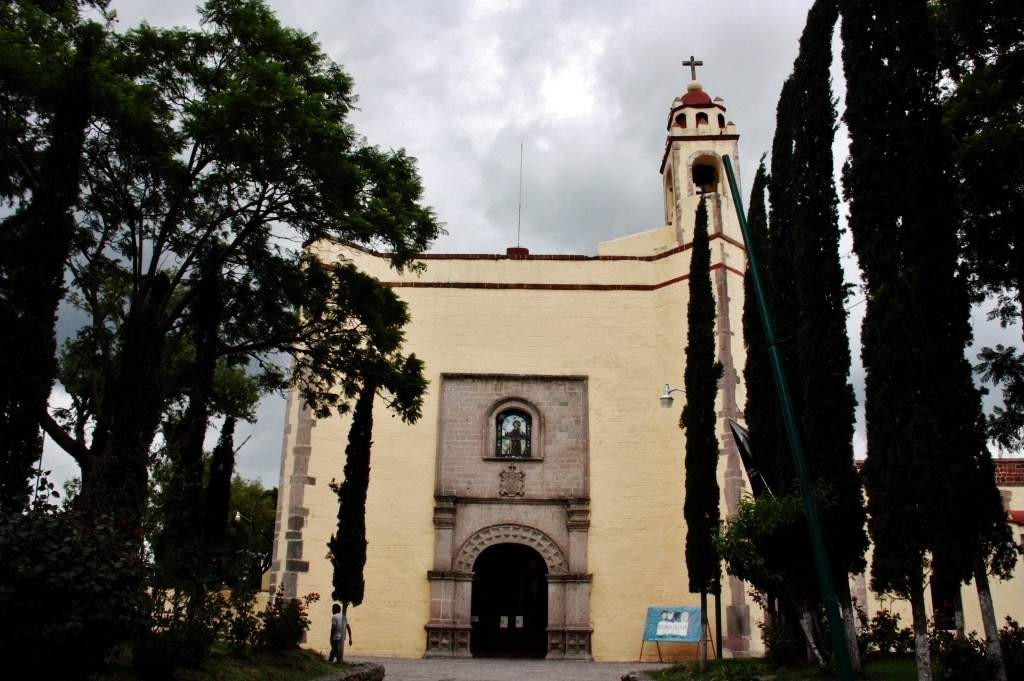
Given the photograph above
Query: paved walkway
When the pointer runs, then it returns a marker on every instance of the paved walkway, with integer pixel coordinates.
(504, 670)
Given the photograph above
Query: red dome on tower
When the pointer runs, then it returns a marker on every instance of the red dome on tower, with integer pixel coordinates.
(696, 98)
(695, 95)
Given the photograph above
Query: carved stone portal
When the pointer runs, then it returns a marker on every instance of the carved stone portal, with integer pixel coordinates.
(481, 501)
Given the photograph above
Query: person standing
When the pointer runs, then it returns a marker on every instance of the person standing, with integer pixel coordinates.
(339, 627)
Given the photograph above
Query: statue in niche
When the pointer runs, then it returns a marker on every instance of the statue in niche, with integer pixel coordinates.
(513, 428)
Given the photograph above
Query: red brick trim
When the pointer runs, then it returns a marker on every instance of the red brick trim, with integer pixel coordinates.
(549, 287)
(1009, 472)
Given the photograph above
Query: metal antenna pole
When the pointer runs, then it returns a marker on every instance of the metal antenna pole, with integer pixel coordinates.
(519, 212)
(828, 593)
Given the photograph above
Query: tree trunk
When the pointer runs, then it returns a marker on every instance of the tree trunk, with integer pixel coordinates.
(920, 618)
(132, 405)
(994, 649)
(849, 623)
(718, 621)
(807, 627)
(703, 645)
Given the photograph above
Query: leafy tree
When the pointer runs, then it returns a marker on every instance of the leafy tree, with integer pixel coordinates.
(183, 260)
(981, 51)
(700, 381)
(51, 75)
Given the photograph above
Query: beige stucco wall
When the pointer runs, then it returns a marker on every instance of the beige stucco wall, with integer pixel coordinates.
(627, 342)
(1007, 596)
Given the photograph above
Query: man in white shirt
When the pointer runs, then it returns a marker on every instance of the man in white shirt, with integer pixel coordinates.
(339, 626)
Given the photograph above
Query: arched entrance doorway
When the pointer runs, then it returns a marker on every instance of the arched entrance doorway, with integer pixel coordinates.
(509, 613)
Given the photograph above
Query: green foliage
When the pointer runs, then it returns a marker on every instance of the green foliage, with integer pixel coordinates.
(1011, 640)
(761, 411)
(183, 627)
(49, 60)
(928, 476)
(700, 507)
(884, 635)
(959, 659)
(68, 583)
(347, 547)
(1002, 366)
(783, 642)
(285, 622)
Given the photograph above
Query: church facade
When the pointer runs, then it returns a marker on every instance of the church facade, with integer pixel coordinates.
(536, 507)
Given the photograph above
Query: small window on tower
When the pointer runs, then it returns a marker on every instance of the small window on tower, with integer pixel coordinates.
(721, 120)
(514, 428)
(681, 120)
(702, 119)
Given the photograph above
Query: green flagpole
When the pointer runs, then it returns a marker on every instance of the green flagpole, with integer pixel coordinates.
(828, 593)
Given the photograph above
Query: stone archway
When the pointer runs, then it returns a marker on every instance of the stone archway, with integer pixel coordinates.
(509, 533)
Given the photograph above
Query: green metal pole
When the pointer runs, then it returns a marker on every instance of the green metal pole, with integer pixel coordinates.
(828, 593)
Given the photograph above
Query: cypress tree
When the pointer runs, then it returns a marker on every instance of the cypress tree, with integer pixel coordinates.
(700, 381)
(760, 411)
(822, 348)
(348, 545)
(925, 441)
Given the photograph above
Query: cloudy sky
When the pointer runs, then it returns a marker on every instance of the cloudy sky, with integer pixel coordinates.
(584, 86)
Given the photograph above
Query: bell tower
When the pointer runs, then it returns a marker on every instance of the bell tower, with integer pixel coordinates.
(698, 134)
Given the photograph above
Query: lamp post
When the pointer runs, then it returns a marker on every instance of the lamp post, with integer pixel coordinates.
(666, 397)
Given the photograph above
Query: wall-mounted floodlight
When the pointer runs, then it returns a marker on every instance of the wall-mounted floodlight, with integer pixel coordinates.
(666, 397)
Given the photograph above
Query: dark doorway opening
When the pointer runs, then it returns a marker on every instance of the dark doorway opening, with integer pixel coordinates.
(510, 603)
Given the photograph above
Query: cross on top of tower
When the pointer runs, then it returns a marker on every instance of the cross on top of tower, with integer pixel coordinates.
(693, 64)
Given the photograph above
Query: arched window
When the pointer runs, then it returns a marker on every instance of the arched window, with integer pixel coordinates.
(681, 120)
(702, 119)
(514, 434)
(721, 120)
(705, 174)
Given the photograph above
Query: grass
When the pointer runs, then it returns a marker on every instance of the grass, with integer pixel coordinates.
(880, 669)
(298, 665)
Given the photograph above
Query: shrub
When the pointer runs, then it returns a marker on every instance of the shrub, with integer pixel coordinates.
(885, 636)
(784, 644)
(243, 627)
(71, 587)
(285, 622)
(181, 633)
(959, 659)
(1011, 638)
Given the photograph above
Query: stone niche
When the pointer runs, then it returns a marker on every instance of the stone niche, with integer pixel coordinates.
(485, 497)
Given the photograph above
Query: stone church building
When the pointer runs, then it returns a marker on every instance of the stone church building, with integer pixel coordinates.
(536, 507)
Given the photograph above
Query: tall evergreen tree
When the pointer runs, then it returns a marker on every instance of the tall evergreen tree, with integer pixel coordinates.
(760, 411)
(700, 381)
(806, 296)
(924, 426)
(348, 545)
(826, 405)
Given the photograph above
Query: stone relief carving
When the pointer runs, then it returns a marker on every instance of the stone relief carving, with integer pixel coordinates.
(514, 534)
(511, 482)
